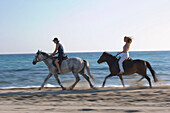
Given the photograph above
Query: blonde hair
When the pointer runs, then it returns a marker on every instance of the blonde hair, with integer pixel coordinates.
(129, 39)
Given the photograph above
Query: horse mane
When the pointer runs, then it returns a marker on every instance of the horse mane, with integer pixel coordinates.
(110, 55)
(45, 54)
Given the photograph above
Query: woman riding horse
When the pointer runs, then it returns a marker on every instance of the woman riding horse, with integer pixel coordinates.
(125, 52)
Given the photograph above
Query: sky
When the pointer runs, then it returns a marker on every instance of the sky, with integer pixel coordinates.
(83, 25)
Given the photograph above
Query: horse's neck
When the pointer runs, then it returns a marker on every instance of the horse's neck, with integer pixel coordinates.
(48, 61)
(110, 61)
(112, 64)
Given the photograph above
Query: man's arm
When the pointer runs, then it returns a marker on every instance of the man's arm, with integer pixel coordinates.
(55, 52)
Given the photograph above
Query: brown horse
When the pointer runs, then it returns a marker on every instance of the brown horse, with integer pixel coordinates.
(130, 67)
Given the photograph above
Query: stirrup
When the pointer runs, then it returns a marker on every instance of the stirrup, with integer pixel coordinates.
(120, 73)
(58, 73)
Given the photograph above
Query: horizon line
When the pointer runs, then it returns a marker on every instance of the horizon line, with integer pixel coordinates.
(87, 52)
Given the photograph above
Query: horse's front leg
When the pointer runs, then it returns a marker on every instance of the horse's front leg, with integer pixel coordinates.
(121, 78)
(106, 79)
(141, 79)
(42, 86)
(56, 76)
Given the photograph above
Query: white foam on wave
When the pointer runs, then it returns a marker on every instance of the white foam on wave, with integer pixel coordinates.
(47, 85)
(50, 85)
(19, 87)
(118, 86)
(109, 86)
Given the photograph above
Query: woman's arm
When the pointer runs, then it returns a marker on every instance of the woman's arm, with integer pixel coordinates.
(55, 52)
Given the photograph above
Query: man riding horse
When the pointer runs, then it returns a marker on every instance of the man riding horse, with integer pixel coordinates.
(60, 53)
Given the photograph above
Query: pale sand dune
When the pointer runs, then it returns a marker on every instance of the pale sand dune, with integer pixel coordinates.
(100, 100)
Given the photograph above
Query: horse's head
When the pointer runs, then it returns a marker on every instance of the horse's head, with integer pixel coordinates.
(39, 57)
(105, 56)
(102, 58)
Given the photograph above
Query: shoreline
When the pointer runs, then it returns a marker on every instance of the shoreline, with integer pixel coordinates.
(98, 100)
(86, 85)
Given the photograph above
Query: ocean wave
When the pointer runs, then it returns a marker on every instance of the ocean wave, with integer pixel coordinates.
(99, 68)
(5, 82)
(13, 87)
(21, 69)
(15, 70)
(26, 70)
(97, 86)
(50, 85)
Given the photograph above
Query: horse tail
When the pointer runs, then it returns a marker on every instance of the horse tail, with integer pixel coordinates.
(152, 71)
(88, 69)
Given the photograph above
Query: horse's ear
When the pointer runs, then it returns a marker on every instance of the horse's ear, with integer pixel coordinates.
(38, 51)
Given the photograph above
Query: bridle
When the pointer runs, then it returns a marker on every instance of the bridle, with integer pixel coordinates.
(37, 60)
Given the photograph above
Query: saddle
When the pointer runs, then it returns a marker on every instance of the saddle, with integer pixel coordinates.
(128, 63)
(54, 58)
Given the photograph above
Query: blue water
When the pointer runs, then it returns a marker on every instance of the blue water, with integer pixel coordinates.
(16, 70)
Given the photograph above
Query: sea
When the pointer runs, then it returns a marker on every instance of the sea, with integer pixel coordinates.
(17, 70)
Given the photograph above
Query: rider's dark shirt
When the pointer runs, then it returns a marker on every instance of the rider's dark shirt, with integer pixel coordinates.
(60, 51)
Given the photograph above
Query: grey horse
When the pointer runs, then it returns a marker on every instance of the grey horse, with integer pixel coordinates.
(75, 65)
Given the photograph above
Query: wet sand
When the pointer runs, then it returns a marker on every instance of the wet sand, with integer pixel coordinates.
(85, 100)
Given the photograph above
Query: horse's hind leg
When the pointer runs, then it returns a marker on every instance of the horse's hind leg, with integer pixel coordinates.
(106, 79)
(45, 81)
(77, 80)
(87, 78)
(146, 76)
(56, 76)
(121, 78)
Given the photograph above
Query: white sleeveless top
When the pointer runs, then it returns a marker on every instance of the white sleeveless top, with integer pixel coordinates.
(124, 48)
(126, 54)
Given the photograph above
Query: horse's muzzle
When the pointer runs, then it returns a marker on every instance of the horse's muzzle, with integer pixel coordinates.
(34, 62)
(98, 62)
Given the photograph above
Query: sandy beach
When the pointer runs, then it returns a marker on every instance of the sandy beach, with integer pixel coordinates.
(99, 100)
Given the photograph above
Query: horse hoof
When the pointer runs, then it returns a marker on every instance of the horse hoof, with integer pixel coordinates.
(39, 88)
(92, 87)
(70, 88)
(63, 88)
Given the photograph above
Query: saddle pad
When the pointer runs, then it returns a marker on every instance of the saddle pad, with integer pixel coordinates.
(64, 58)
(128, 63)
